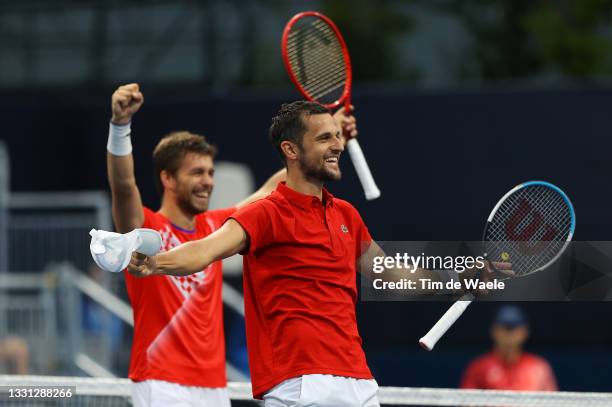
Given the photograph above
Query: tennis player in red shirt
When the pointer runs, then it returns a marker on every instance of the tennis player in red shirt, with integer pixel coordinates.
(507, 366)
(301, 247)
(178, 351)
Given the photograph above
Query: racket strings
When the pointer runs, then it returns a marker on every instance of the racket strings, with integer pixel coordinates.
(549, 204)
(539, 220)
(522, 263)
(296, 53)
(556, 220)
(317, 80)
(315, 74)
(316, 58)
(316, 42)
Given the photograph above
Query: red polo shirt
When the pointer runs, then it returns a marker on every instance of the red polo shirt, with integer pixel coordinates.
(300, 287)
(178, 321)
(490, 371)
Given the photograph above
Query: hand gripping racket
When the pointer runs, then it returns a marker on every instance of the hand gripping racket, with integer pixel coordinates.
(318, 63)
(529, 227)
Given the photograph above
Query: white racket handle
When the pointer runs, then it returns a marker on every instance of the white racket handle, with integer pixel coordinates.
(448, 319)
(362, 169)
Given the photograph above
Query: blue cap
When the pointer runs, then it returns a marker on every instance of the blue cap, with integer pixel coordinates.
(510, 316)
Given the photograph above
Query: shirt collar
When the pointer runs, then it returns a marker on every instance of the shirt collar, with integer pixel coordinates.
(303, 200)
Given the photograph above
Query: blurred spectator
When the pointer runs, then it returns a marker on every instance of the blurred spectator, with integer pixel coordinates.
(14, 355)
(506, 366)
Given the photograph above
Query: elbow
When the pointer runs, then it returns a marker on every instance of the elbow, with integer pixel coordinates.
(123, 187)
(126, 220)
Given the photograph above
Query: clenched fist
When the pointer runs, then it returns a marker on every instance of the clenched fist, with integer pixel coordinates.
(347, 122)
(126, 101)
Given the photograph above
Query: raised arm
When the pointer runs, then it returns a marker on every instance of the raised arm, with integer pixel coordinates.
(346, 121)
(266, 189)
(127, 204)
(192, 257)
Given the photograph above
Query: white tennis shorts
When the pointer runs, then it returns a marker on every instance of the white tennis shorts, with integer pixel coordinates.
(317, 390)
(157, 393)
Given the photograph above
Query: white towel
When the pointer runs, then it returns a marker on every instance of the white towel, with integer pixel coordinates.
(112, 251)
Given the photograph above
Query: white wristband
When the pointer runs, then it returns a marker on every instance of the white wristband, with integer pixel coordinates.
(119, 140)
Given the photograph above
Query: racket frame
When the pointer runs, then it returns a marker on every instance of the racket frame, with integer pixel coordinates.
(517, 188)
(447, 320)
(345, 98)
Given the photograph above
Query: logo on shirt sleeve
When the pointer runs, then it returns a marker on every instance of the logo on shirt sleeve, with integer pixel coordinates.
(343, 228)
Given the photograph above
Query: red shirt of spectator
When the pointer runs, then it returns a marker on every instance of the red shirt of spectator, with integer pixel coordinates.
(528, 372)
(507, 367)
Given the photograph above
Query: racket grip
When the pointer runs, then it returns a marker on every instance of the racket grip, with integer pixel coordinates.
(448, 319)
(362, 169)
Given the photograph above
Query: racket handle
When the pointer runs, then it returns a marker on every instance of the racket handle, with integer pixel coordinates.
(448, 319)
(362, 169)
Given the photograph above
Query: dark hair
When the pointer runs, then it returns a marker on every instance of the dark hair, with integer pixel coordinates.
(172, 148)
(288, 124)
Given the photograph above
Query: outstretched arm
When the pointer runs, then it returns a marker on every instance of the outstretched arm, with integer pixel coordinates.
(192, 257)
(127, 204)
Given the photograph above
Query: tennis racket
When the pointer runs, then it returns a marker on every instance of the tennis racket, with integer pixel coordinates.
(318, 63)
(529, 227)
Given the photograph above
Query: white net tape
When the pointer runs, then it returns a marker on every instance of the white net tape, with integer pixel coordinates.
(116, 392)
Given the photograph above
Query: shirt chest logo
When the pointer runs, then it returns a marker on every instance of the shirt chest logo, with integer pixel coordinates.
(343, 228)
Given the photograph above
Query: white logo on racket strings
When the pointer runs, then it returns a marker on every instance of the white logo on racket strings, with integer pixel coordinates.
(343, 228)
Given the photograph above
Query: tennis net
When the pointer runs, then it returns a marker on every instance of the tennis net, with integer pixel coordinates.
(116, 393)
